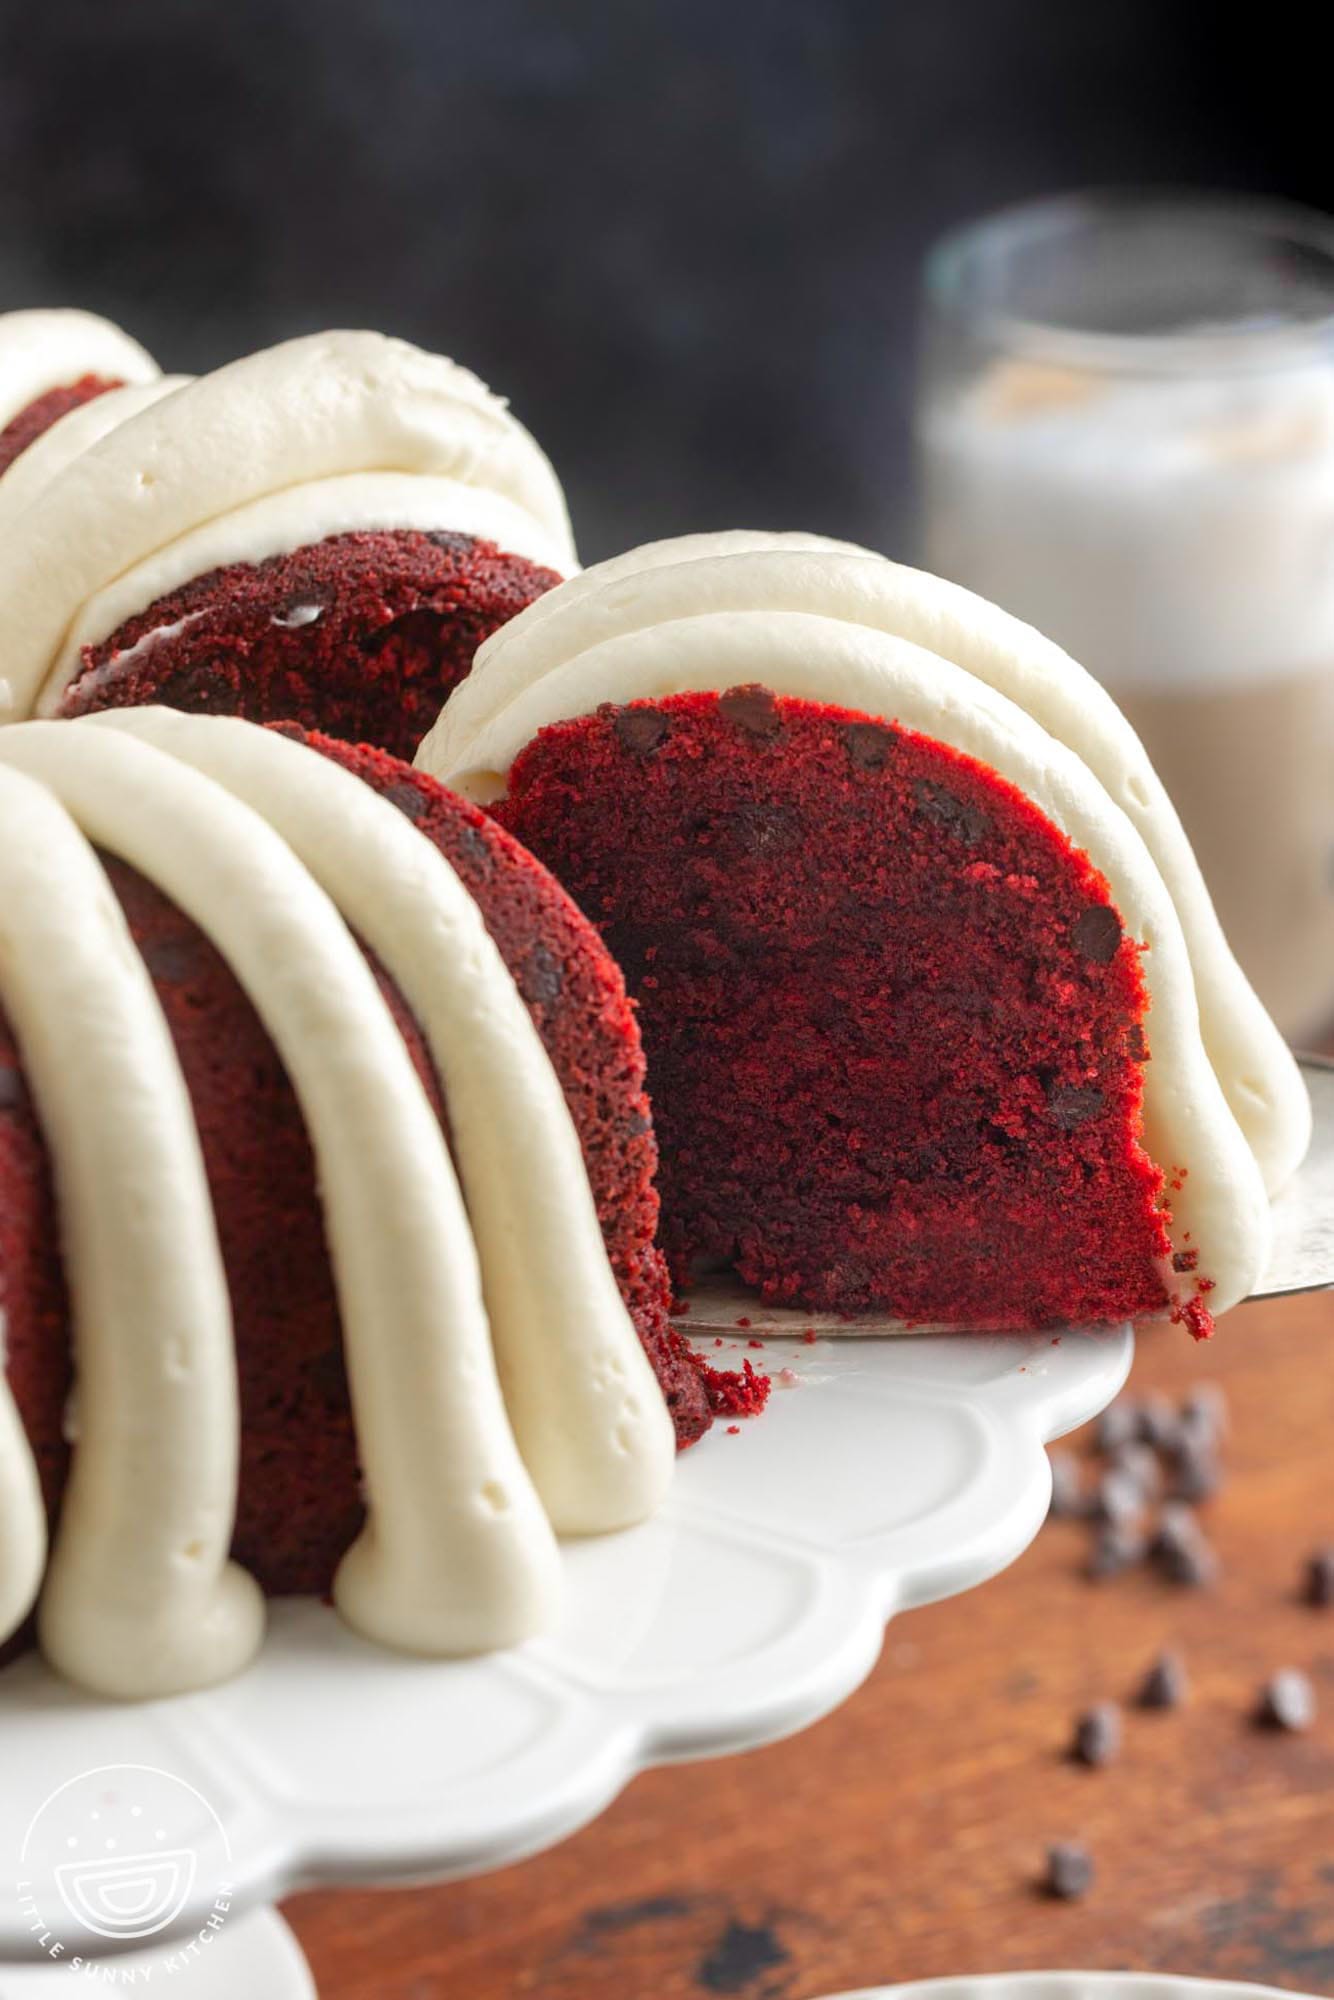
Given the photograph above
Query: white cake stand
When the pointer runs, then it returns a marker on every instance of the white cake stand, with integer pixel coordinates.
(885, 1473)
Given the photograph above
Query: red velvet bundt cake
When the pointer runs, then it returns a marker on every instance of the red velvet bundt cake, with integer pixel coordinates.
(914, 934)
(322, 533)
(52, 363)
(212, 833)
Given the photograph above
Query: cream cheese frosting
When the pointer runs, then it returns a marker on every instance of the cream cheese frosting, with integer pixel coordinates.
(702, 575)
(311, 410)
(70, 436)
(832, 625)
(235, 825)
(45, 350)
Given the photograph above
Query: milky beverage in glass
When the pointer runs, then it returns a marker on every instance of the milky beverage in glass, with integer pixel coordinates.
(1127, 438)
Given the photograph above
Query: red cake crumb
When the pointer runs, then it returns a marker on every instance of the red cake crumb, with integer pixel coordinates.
(733, 1392)
(362, 636)
(39, 415)
(300, 1504)
(894, 1028)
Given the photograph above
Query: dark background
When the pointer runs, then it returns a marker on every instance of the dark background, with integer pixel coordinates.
(681, 235)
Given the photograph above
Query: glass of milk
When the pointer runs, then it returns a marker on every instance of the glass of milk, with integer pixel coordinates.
(1126, 436)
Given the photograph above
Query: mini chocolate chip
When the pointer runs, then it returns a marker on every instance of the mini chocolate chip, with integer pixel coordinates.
(1165, 1684)
(1185, 1260)
(752, 708)
(868, 744)
(1196, 1472)
(1070, 1871)
(1158, 1423)
(1287, 1701)
(1068, 1500)
(758, 825)
(1318, 1582)
(1137, 1046)
(1204, 1412)
(1097, 933)
(473, 847)
(1118, 1425)
(1073, 1105)
(450, 540)
(13, 1088)
(542, 977)
(412, 800)
(1117, 1546)
(171, 959)
(1098, 1735)
(1181, 1552)
(1120, 1497)
(966, 822)
(1138, 1463)
(641, 729)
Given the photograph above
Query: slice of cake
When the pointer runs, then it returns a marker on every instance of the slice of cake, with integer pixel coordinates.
(277, 1354)
(938, 1017)
(54, 362)
(322, 533)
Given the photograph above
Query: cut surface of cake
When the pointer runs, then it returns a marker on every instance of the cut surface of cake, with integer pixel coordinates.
(53, 363)
(270, 1010)
(939, 1022)
(321, 533)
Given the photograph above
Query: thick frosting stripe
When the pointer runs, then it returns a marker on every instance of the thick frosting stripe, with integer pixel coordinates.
(140, 1598)
(751, 572)
(591, 1424)
(312, 409)
(1187, 1121)
(44, 350)
(69, 437)
(457, 1554)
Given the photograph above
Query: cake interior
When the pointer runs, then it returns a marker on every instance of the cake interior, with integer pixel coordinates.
(362, 635)
(39, 415)
(894, 1028)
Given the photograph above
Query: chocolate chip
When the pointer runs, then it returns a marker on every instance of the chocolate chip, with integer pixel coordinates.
(1158, 1423)
(752, 708)
(1318, 1582)
(1204, 1411)
(13, 1088)
(1181, 1552)
(1165, 1684)
(868, 744)
(1097, 1739)
(757, 826)
(472, 846)
(450, 540)
(1117, 1546)
(1197, 1473)
(1120, 1498)
(1070, 1871)
(1138, 1464)
(412, 800)
(1068, 1500)
(1097, 933)
(641, 729)
(1137, 1047)
(1073, 1105)
(966, 822)
(1185, 1260)
(1118, 1425)
(1287, 1701)
(541, 977)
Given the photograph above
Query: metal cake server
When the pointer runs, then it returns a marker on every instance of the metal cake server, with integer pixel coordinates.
(1301, 1260)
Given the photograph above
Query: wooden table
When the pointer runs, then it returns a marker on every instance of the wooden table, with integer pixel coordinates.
(902, 1837)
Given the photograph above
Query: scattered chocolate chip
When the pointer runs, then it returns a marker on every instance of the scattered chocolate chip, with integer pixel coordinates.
(1165, 1684)
(1287, 1701)
(966, 822)
(1117, 1546)
(13, 1089)
(752, 708)
(868, 744)
(1157, 1423)
(412, 800)
(472, 847)
(1118, 1425)
(1068, 1499)
(1097, 1739)
(1317, 1584)
(541, 977)
(450, 540)
(1072, 1106)
(1119, 1497)
(1070, 1871)
(1139, 1463)
(1137, 1047)
(1097, 933)
(641, 729)
(1197, 1472)
(1180, 1550)
(1185, 1260)
(1204, 1412)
